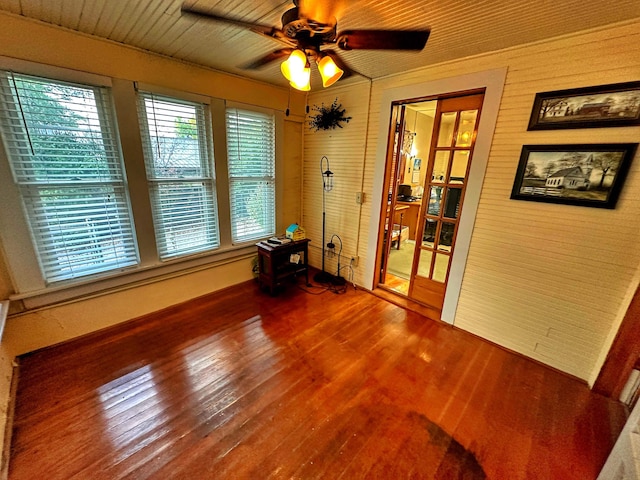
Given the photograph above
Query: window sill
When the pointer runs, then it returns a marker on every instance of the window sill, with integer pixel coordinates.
(126, 279)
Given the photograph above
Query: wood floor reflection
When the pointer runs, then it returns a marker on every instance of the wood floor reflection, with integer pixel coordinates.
(239, 385)
(397, 284)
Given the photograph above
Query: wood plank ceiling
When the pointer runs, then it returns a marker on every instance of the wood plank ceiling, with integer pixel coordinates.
(460, 28)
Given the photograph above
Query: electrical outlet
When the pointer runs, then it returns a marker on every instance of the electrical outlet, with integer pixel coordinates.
(360, 197)
(354, 261)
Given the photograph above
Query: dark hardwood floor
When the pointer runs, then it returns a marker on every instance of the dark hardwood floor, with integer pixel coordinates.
(239, 385)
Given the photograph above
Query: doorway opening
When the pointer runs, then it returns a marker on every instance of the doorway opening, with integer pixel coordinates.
(429, 153)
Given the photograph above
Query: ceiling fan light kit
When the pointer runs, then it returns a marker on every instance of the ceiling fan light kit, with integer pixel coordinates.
(305, 37)
(297, 70)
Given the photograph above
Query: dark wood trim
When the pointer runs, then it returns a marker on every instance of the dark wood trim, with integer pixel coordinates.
(623, 355)
(390, 173)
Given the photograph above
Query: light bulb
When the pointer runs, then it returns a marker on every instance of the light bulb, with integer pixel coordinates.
(294, 64)
(301, 80)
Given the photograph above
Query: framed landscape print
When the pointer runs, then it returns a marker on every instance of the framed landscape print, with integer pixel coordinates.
(588, 175)
(612, 105)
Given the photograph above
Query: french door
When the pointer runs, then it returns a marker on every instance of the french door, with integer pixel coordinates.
(451, 126)
(450, 157)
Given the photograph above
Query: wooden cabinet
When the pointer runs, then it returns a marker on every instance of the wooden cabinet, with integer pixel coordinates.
(276, 263)
(409, 216)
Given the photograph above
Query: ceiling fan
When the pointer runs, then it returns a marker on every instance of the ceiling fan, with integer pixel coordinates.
(305, 39)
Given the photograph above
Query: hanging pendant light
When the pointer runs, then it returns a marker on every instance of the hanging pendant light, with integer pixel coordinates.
(329, 71)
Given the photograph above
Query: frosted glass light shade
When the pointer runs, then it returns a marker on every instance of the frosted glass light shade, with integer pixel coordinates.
(329, 71)
(302, 80)
(293, 65)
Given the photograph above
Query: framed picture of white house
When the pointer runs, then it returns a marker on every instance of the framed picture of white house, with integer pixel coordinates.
(590, 175)
(613, 105)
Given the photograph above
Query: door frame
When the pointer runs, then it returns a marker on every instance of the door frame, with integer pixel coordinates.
(493, 83)
(391, 172)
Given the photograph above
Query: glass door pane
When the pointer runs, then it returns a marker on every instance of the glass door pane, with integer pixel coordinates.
(430, 231)
(424, 264)
(466, 128)
(452, 207)
(441, 267)
(447, 127)
(435, 197)
(445, 239)
(459, 166)
(440, 166)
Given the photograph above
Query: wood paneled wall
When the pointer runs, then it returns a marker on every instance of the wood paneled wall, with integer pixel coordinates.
(549, 281)
(345, 149)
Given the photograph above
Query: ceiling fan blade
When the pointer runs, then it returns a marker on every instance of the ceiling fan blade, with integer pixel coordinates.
(270, 57)
(383, 39)
(255, 27)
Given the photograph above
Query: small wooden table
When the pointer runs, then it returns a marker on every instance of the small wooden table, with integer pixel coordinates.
(275, 265)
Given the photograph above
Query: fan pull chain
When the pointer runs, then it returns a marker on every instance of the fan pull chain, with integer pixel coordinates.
(286, 112)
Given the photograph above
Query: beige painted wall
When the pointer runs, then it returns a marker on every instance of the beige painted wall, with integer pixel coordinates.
(548, 281)
(36, 329)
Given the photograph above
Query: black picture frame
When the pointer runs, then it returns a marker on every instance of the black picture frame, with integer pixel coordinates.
(613, 105)
(589, 175)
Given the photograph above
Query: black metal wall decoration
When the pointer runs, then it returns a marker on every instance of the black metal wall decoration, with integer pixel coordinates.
(328, 118)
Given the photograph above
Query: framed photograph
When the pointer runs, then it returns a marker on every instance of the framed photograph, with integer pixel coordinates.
(614, 105)
(415, 175)
(587, 175)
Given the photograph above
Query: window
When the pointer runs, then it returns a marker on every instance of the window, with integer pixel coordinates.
(251, 164)
(179, 162)
(68, 208)
(64, 154)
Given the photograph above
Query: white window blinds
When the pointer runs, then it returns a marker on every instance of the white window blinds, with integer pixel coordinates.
(178, 154)
(251, 163)
(64, 153)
